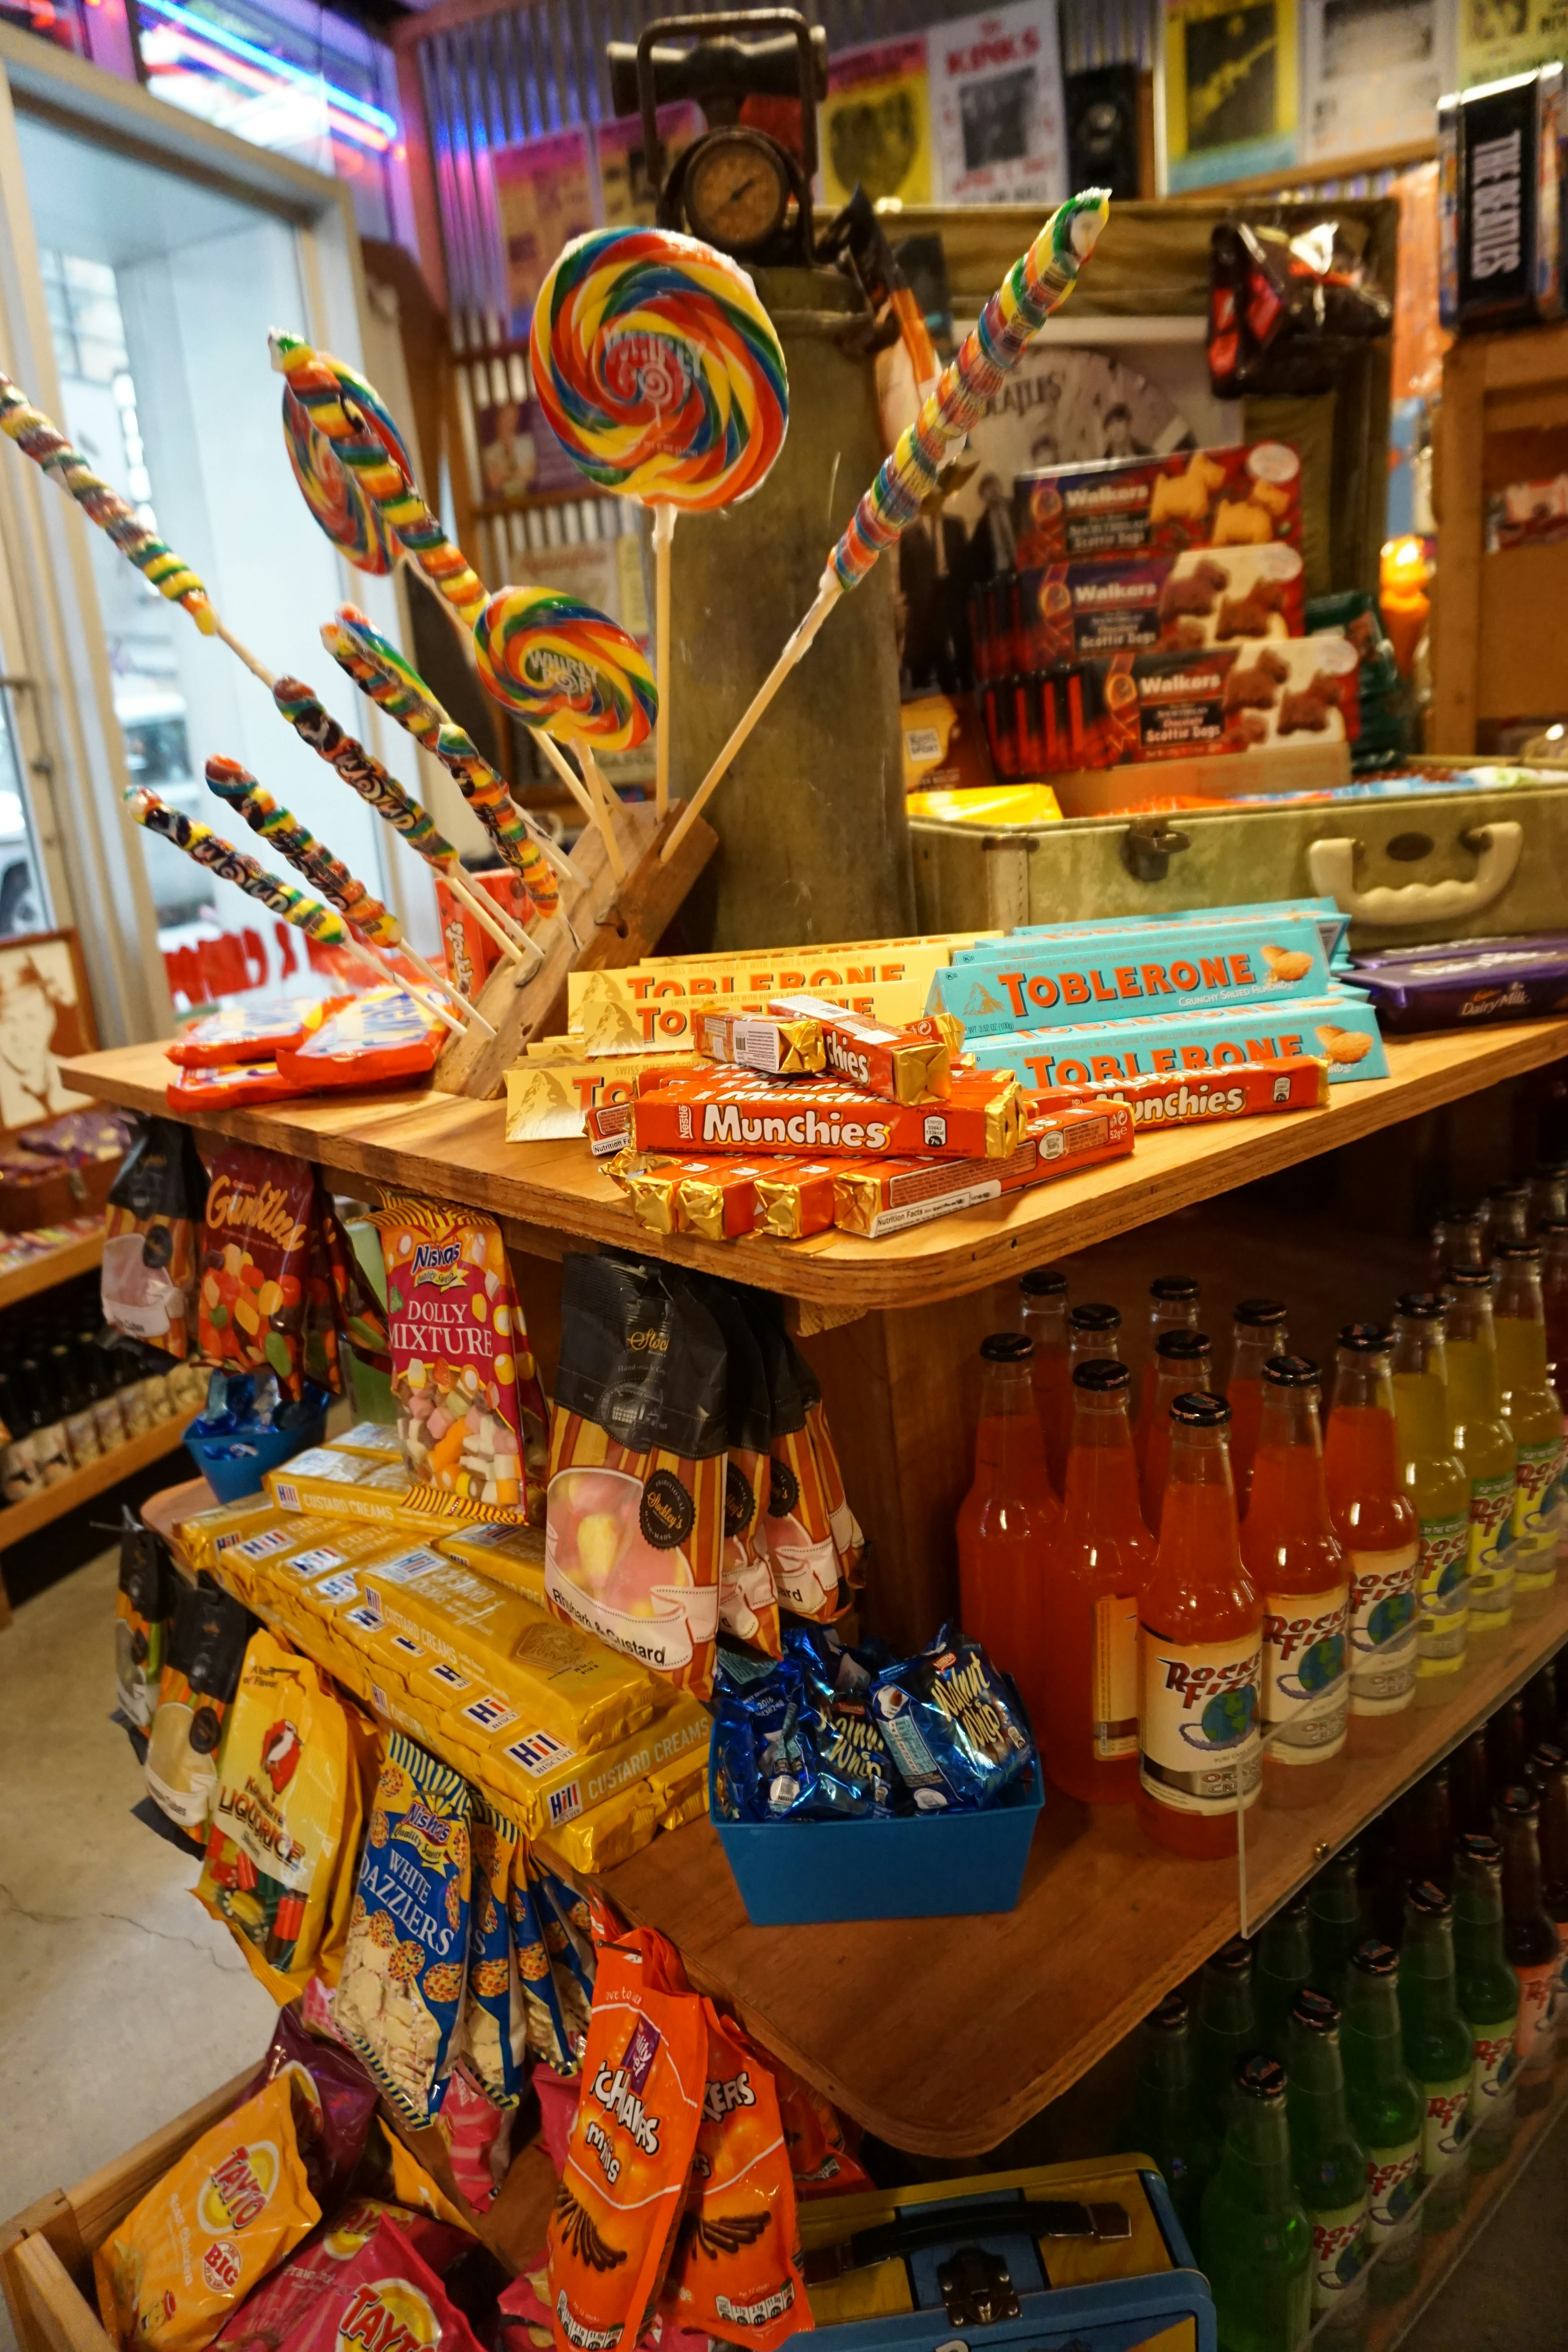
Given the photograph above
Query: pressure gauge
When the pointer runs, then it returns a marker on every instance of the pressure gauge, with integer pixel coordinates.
(735, 190)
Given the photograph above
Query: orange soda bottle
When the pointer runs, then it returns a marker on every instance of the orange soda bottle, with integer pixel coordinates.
(1093, 1330)
(1183, 1360)
(1298, 1565)
(1007, 1522)
(1173, 1307)
(1088, 1721)
(1044, 1293)
(1376, 1522)
(1200, 1641)
(1258, 1332)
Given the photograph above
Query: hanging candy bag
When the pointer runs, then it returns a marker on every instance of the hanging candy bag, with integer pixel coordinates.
(149, 1282)
(810, 1569)
(748, 1606)
(492, 2037)
(257, 1243)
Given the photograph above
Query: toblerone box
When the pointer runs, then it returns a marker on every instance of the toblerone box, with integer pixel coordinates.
(1332, 926)
(1339, 1030)
(1068, 983)
(547, 1101)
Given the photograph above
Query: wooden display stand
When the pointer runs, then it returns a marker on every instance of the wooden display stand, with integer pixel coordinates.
(1499, 648)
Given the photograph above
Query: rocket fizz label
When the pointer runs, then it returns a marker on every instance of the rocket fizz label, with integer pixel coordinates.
(1200, 1751)
(1533, 1523)
(1446, 2126)
(1442, 1595)
(1393, 2185)
(1383, 1630)
(1491, 2074)
(1535, 2031)
(1305, 1693)
(1339, 2257)
(1491, 1553)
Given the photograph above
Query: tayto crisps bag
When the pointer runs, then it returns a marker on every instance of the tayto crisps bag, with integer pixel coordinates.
(736, 2269)
(627, 2159)
(470, 1413)
(383, 2299)
(149, 1280)
(748, 1606)
(276, 1830)
(813, 1537)
(639, 1459)
(401, 1989)
(269, 2316)
(230, 2210)
(256, 1263)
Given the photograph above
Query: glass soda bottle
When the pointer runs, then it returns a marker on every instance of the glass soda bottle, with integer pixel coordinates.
(1328, 2163)
(1008, 1520)
(1489, 1997)
(1540, 1709)
(1284, 1966)
(1257, 2241)
(1298, 1564)
(1100, 1555)
(1506, 1213)
(1376, 1521)
(1256, 1332)
(1532, 1408)
(1387, 2114)
(1044, 1295)
(1337, 1919)
(1200, 1638)
(1485, 1444)
(1183, 1361)
(1173, 1307)
(1457, 1240)
(1436, 1483)
(1166, 2118)
(1227, 2025)
(1439, 2049)
(1093, 1330)
(1423, 1839)
(1470, 1786)
(1548, 1192)
(1508, 1745)
(1548, 1772)
(1551, 1234)
(1530, 1940)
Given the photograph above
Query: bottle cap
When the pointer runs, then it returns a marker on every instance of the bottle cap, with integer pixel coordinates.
(1297, 1908)
(1518, 1253)
(1262, 2078)
(1517, 1804)
(1195, 1409)
(1044, 1282)
(1172, 2016)
(1007, 1348)
(1475, 1846)
(1316, 2012)
(1470, 1277)
(1182, 1346)
(1259, 1312)
(1291, 1372)
(1366, 1338)
(1547, 1761)
(1429, 1900)
(1094, 1314)
(1103, 1374)
(1172, 1286)
(1232, 1959)
(1374, 1958)
(1423, 1306)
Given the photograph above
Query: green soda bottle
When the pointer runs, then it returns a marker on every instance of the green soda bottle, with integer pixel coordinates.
(1284, 1966)
(1439, 2050)
(1530, 1940)
(1328, 2163)
(1337, 1919)
(1535, 1417)
(1436, 1483)
(1226, 2027)
(1489, 1997)
(1485, 1444)
(1548, 1773)
(1257, 2241)
(1387, 2114)
(1164, 2118)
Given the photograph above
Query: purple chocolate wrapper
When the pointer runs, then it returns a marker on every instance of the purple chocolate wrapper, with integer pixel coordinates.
(348, 2102)
(1467, 983)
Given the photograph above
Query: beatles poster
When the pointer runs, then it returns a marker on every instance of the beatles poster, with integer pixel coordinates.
(1498, 37)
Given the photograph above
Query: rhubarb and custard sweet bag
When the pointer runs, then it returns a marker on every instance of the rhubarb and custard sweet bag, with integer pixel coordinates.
(736, 2269)
(255, 1255)
(226, 2214)
(748, 1605)
(638, 1461)
(148, 1287)
(472, 1416)
(812, 1535)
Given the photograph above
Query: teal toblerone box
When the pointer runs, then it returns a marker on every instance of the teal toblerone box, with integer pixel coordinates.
(1337, 1028)
(1064, 984)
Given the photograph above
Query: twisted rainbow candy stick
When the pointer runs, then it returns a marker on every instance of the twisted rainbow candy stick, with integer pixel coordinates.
(565, 668)
(350, 413)
(319, 923)
(1038, 283)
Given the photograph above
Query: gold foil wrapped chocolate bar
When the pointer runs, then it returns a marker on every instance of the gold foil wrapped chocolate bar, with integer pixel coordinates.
(874, 1198)
(795, 1197)
(894, 1064)
(780, 1047)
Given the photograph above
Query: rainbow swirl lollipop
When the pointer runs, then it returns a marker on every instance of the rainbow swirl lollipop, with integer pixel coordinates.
(659, 369)
(565, 668)
(351, 518)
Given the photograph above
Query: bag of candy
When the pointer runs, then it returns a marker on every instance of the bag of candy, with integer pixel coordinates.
(257, 1245)
(748, 1606)
(148, 1281)
(736, 2269)
(347, 2097)
(638, 1461)
(821, 2160)
(812, 1535)
(141, 1606)
(471, 1415)
(195, 1691)
(954, 1725)
(226, 2214)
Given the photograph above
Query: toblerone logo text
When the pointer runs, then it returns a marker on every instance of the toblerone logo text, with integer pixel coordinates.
(1123, 982)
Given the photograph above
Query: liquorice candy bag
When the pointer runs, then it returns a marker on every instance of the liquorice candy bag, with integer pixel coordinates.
(141, 1606)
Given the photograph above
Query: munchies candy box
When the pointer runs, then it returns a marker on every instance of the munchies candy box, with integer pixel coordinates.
(729, 1110)
(889, 1196)
(1065, 983)
(1338, 1029)
(1243, 497)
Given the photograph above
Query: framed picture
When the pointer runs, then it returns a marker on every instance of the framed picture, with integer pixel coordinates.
(46, 1017)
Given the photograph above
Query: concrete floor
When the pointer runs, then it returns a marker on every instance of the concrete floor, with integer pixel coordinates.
(122, 2003)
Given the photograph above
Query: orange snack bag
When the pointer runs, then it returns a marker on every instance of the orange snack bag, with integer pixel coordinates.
(227, 2213)
(819, 2155)
(811, 1535)
(629, 2156)
(736, 2269)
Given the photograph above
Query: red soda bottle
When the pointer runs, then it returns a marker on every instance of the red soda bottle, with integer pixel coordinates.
(1183, 1361)
(1258, 1332)
(1173, 1307)
(1043, 1292)
(1008, 1520)
(1376, 1522)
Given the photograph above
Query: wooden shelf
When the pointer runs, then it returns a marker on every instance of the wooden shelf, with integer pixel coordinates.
(20, 1519)
(943, 2036)
(55, 1266)
(553, 1197)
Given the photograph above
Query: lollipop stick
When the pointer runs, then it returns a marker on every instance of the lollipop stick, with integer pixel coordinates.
(390, 973)
(257, 668)
(436, 981)
(608, 804)
(663, 533)
(827, 596)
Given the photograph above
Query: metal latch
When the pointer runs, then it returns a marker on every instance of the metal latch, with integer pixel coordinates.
(1148, 846)
(976, 2288)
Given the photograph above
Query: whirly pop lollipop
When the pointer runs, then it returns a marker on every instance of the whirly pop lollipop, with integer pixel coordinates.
(333, 491)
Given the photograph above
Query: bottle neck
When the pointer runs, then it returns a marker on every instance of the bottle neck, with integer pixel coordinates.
(1197, 1519)
(1101, 1483)
(1045, 1322)
(1520, 1869)
(1288, 1491)
(1371, 2022)
(1257, 2157)
(1518, 1292)
(1167, 2072)
(1009, 1445)
(1426, 1963)
(1173, 1380)
(1225, 2004)
(1420, 1368)
(1360, 1450)
(1172, 1315)
(1251, 1345)
(1083, 1346)
(1317, 2080)
(1478, 1898)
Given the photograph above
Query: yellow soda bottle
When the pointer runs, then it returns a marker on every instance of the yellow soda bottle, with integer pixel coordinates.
(1436, 1483)
(1535, 1417)
(1485, 1444)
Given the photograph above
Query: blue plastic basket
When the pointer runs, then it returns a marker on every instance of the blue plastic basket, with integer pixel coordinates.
(925, 1866)
(233, 1466)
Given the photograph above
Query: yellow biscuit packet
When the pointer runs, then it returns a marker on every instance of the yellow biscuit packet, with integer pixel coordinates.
(227, 2213)
(611, 1832)
(199, 1540)
(513, 1556)
(547, 1784)
(681, 1785)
